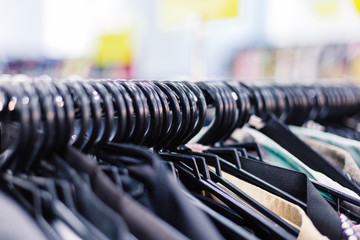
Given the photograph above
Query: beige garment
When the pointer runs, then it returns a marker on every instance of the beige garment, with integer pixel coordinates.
(337, 156)
(286, 210)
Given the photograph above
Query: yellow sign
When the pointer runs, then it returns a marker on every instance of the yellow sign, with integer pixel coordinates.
(357, 5)
(174, 12)
(114, 49)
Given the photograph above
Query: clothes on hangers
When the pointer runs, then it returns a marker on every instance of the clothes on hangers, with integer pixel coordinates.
(286, 210)
(283, 158)
(187, 219)
(350, 145)
(281, 134)
(338, 156)
(109, 162)
(299, 186)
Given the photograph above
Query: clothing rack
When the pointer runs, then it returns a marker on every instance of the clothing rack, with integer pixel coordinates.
(44, 118)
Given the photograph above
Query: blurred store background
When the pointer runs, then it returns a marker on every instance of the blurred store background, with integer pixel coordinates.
(285, 40)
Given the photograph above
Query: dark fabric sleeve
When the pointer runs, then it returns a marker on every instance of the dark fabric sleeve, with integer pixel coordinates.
(174, 207)
(140, 221)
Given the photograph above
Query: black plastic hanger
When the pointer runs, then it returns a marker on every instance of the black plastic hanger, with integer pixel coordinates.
(145, 111)
(94, 132)
(48, 116)
(194, 113)
(138, 108)
(322, 104)
(213, 99)
(201, 107)
(166, 113)
(232, 165)
(107, 112)
(256, 100)
(305, 105)
(289, 103)
(15, 109)
(51, 119)
(222, 117)
(155, 110)
(221, 218)
(252, 149)
(242, 102)
(119, 108)
(35, 115)
(312, 101)
(293, 104)
(237, 110)
(176, 120)
(226, 117)
(195, 175)
(69, 109)
(185, 113)
(82, 113)
(60, 116)
(216, 176)
(128, 111)
(230, 113)
(37, 139)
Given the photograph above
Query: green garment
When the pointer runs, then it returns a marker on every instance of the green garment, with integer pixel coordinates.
(349, 145)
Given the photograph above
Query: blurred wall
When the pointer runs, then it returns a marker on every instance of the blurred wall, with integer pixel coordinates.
(71, 29)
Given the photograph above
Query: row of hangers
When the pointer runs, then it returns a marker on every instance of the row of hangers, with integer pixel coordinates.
(164, 115)
(158, 114)
(295, 104)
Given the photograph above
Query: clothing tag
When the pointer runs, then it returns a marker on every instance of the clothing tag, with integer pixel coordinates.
(197, 147)
(256, 122)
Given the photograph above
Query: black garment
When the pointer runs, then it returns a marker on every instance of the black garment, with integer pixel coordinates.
(140, 221)
(168, 199)
(130, 185)
(323, 216)
(91, 207)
